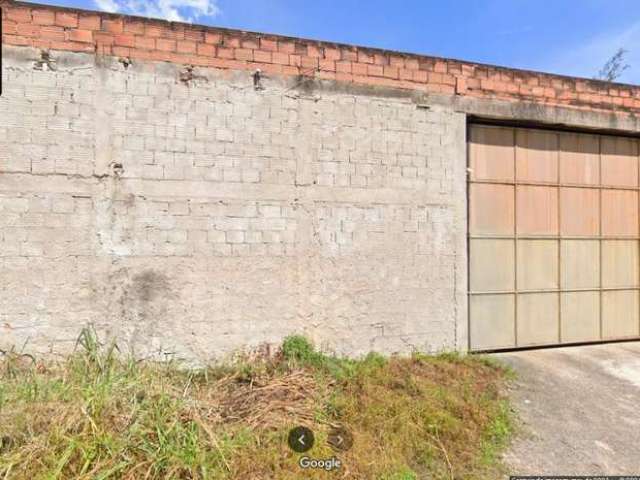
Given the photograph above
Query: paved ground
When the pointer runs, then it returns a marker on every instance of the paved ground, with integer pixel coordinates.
(580, 410)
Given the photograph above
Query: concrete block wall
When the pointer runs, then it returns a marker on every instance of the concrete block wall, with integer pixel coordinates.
(191, 190)
(143, 39)
(190, 212)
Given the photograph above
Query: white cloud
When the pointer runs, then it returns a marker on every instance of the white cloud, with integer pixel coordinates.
(107, 5)
(172, 10)
(585, 60)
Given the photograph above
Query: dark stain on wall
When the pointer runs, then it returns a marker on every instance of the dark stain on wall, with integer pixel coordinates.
(149, 285)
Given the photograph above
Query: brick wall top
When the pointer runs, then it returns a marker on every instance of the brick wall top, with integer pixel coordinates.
(57, 28)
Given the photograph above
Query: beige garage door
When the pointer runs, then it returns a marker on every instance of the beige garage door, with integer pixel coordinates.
(553, 237)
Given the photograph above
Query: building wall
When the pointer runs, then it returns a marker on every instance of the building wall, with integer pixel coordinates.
(144, 39)
(192, 190)
(192, 212)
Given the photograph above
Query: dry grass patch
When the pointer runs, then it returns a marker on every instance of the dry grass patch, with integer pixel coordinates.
(98, 416)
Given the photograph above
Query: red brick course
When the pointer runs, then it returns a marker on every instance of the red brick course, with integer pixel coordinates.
(56, 28)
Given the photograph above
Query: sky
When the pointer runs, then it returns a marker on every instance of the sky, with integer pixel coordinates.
(571, 37)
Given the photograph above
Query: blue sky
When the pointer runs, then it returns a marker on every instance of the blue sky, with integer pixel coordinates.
(573, 37)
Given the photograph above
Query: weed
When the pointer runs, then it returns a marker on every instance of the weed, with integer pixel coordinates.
(297, 348)
(98, 415)
(402, 474)
(497, 433)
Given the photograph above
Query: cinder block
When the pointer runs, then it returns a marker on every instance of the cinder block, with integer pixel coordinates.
(15, 205)
(216, 197)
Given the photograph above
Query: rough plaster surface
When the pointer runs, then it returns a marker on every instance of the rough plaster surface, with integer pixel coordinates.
(186, 212)
(578, 408)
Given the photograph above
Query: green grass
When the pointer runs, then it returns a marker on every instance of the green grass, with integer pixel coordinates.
(99, 415)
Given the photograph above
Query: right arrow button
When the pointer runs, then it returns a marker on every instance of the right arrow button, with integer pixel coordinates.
(340, 439)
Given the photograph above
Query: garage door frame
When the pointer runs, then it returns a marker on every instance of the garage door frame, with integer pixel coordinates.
(559, 238)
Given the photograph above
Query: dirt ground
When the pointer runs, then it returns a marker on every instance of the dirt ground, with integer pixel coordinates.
(579, 409)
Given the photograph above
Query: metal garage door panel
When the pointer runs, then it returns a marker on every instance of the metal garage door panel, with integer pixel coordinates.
(492, 265)
(579, 211)
(619, 263)
(619, 161)
(575, 225)
(620, 314)
(537, 264)
(580, 316)
(492, 153)
(537, 210)
(620, 213)
(537, 320)
(491, 209)
(536, 156)
(579, 159)
(492, 321)
(580, 264)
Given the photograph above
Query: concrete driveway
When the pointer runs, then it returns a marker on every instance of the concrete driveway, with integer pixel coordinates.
(580, 410)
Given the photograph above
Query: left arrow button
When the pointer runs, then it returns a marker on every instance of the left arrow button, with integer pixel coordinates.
(300, 439)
